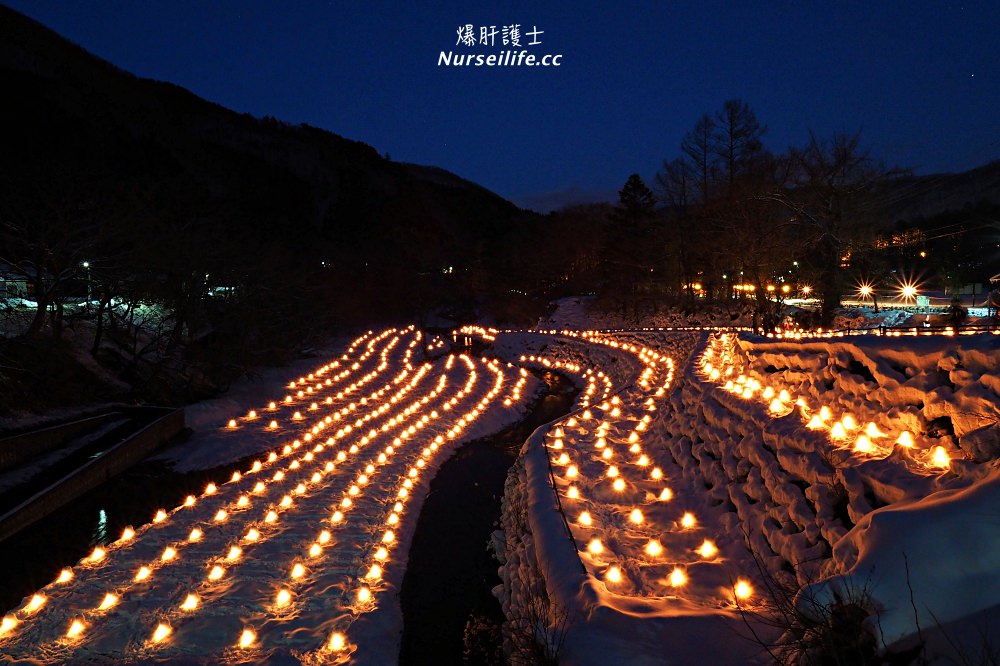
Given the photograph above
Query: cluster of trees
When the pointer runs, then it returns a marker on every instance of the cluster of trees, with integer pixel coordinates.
(179, 294)
(182, 290)
(729, 221)
(727, 218)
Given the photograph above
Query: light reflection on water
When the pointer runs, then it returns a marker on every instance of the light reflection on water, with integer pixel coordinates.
(100, 536)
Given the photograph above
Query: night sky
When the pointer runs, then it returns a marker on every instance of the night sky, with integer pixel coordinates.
(920, 78)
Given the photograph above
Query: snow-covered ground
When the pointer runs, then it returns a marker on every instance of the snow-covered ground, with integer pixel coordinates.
(763, 462)
(866, 317)
(907, 435)
(299, 558)
(698, 471)
(578, 313)
(650, 568)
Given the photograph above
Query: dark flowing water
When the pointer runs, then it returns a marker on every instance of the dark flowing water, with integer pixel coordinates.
(451, 573)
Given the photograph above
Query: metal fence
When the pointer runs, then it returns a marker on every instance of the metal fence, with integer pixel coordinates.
(971, 329)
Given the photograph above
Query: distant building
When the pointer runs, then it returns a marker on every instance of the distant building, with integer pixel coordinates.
(13, 283)
(993, 302)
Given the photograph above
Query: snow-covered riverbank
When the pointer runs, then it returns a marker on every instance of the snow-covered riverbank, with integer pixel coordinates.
(655, 567)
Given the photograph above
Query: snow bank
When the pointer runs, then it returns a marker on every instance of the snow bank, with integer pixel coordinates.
(867, 318)
(913, 483)
(780, 453)
(579, 313)
(942, 387)
(925, 563)
(623, 600)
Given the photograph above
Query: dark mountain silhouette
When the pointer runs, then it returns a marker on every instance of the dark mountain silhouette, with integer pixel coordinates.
(283, 195)
(917, 197)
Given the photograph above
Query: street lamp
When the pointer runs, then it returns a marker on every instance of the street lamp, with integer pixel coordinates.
(86, 265)
(867, 291)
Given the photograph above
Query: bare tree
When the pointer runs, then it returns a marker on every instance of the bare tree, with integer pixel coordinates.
(675, 189)
(737, 142)
(698, 147)
(48, 226)
(836, 195)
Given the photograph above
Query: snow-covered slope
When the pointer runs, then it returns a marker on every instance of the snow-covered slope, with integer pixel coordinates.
(298, 558)
(698, 471)
(780, 454)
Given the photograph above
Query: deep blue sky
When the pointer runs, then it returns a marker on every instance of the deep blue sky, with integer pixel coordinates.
(921, 78)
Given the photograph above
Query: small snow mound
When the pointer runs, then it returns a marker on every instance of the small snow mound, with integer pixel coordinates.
(922, 563)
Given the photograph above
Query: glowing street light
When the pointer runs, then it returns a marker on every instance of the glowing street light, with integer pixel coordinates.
(86, 267)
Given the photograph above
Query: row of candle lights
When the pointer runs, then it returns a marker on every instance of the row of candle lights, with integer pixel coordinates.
(162, 631)
(625, 467)
(641, 398)
(720, 364)
(77, 626)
